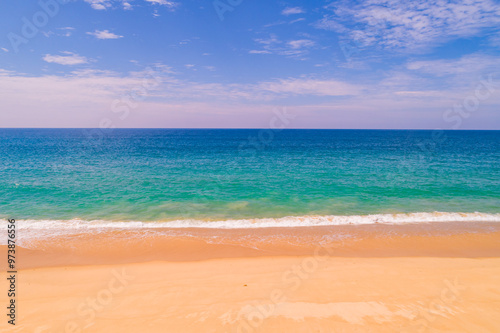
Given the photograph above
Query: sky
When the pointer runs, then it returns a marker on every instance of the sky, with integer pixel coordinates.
(379, 64)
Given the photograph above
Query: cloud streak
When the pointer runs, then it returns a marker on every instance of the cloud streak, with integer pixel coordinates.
(104, 34)
(106, 4)
(166, 3)
(68, 58)
(294, 48)
(470, 65)
(292, 11)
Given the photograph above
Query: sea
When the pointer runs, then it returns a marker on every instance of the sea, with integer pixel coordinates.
(246, 178)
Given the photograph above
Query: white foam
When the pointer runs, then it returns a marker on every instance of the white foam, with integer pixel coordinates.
(290, 221)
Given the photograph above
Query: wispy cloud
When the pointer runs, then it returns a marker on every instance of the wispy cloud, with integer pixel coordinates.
(292, 10)
(68, 58)
(401, 97)
(301, 43)
(66, 31)
(107, 84)
(297, 20)
(293, 48)
(104, 34)
(170, 4)
(410, 24)
(294, 86)
(471, 65)
(105, 4)
(259, 52)
(4, 49)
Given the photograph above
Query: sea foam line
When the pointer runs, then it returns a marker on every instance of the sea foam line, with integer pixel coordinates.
(290, 221)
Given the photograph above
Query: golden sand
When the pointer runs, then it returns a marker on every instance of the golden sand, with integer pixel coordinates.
(406, 281)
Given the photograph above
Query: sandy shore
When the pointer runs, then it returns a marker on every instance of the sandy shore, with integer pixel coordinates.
(219, 287)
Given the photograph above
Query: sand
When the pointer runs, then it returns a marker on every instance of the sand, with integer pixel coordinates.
(231, 288)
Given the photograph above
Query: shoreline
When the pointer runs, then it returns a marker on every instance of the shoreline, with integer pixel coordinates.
(439, 239)
(290, 221)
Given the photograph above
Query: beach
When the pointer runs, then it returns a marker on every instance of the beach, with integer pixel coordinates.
(434, 277)
(158, 230)
(235, 166)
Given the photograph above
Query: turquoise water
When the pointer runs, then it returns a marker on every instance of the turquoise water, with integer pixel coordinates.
(162, 175)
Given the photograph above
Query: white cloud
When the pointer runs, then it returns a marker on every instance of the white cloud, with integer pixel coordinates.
(167, 3)
(292, 10)
(301, 43)
(331, 23)
(64, 32)
(68, 59)
(294, 48)
(309, 87)
(104, 34)
(259, 52)
(297, 20)
(411, 24)
(99, 4)
(4, 49)
(105, 4)
(67, 31)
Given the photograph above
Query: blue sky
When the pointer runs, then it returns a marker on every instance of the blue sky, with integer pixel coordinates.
(235, 63)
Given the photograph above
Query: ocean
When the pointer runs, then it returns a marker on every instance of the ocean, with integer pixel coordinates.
(248, 177)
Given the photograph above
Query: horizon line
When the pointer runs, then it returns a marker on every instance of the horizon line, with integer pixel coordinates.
(251, 128)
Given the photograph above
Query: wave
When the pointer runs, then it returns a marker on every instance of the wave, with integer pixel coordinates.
(33, 230)
(289, 221)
